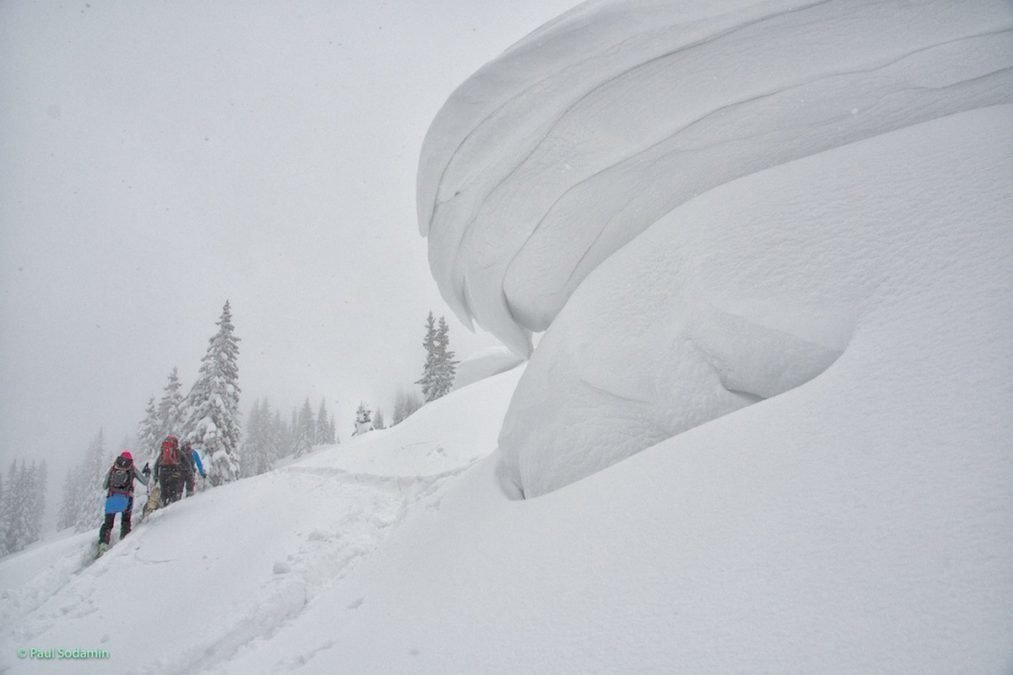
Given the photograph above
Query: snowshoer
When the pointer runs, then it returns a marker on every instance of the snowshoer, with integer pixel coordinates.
(119, 485)
(173, 470)
(196, 466)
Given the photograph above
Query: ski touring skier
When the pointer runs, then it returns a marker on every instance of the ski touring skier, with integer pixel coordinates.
(173, 470)
(119, 485)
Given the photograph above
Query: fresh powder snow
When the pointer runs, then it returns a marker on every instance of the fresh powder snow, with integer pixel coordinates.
(768, 424)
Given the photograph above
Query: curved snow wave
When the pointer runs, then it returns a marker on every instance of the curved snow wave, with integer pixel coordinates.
(602, 180)
(581, 136)
(760, 285)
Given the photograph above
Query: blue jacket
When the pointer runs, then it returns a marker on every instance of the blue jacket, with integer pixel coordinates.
(196, 459)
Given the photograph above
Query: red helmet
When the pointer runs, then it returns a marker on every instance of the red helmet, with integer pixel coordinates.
(127, 455)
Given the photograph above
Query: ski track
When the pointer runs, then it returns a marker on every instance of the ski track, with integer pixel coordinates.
(377, 504)
(374, 505)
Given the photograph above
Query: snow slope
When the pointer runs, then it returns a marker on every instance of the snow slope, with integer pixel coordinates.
(862, 522)
(205, 578)
(856, 517)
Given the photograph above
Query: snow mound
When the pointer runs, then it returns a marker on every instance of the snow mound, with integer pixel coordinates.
(653, 126)
(882, 249)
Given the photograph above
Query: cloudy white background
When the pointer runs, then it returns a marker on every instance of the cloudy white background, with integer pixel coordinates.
(159, 158)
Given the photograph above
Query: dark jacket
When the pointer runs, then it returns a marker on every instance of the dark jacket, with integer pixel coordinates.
(182, 470)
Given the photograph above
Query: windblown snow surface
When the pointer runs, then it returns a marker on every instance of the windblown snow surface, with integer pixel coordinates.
(769, 425)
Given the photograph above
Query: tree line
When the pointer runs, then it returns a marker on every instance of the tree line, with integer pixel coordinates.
(22, 503)
(208, 415)
(269, 438)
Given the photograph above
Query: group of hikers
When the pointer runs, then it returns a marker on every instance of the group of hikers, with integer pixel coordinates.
(175, 469)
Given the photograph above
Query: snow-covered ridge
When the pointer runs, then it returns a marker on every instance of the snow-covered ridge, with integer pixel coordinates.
(617, 118)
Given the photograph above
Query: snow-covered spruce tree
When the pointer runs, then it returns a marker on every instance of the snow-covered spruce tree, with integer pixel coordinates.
(268, 446)
(279, 436)
(172, 411)
(22, 508)
(306, 429)
(399, 409)
(263, 452)
(248, 456)
(292, 438)
(405, 403)
(323, 431)
(446, 368)
(148, 434)
(5, 510)
(213, 404)
(13, 508)
(327, 428)
(378, 420)
(97, 462)
(257, 455)
(41, 488)
(332, 432)
(363, 420)
(82, 489)
(428, 380)
(67, 516)
(440, 367)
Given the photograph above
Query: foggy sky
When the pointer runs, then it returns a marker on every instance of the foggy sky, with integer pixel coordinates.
(160, 158)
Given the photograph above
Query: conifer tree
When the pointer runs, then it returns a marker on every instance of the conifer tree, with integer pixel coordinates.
(213, 404)
(334, 430)
(292, 441)
(446, 368)
(67, 516)
(247, 460)
(363, 420)
(16, 511)
(265, 445)
(259, 446)
(307, 429)
(5, 510)
(279, 436)
(39, 491)
(82, 489)
(23, 505)
(171, 408)
(256, 455)
(97, 461)
(405, 403)
(148, 433)
(378, 420)
(440, 367)
(428, 380)
(323, 430)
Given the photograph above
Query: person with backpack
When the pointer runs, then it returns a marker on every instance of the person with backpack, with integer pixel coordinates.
(119, 485)
(173, 470)
(196, 466)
